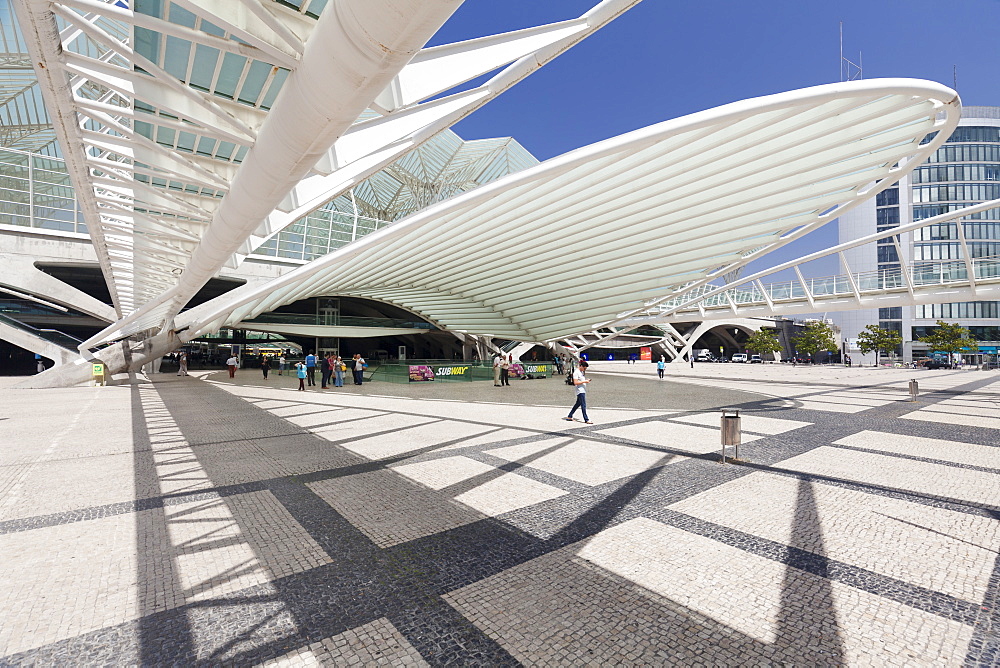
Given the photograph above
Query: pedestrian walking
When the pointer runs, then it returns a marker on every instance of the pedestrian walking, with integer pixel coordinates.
(359, 369)
(300, 371)
(660, 367)
(281, 365)
(496, 371)
(338, 372)
(182, 368)
(580, 380)
(505, 372)
(311, 368)
(265, 366)
(326, 369)
(232, 364)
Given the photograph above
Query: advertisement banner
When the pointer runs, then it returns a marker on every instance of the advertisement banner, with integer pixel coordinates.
(646, 354)
(420, 372)
(523, 369)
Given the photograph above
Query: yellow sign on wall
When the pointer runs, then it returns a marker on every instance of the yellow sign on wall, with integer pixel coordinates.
(98, 369)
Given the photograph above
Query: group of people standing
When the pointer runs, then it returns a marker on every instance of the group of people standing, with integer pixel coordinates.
(501, 370)
(564, 364)
(332, 368)
(503, 363)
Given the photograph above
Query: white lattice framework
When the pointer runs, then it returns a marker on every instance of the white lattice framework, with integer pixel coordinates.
(195, 134)
(441, 168)
(661, 210)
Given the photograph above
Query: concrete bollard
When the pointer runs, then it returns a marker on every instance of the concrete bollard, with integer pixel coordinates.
(730, 432)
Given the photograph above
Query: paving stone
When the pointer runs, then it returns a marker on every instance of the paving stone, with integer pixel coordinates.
(586, 461)
(442, 472)
(946, 482)
(389, 508)
(675, 436)
(897, 538)
(928, 448)
(506, 493)
(231, 523)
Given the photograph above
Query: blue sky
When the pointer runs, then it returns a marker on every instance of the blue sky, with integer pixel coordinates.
(666, 58)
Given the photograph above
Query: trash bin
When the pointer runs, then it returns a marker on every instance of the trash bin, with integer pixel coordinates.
(730, 432)
(914, 389)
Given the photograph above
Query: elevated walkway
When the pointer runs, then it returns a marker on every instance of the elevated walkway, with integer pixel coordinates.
(919, 283)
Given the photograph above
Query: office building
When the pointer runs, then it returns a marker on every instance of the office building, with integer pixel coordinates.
(962, 172)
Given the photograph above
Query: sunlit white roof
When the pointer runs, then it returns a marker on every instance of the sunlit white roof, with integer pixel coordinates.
(194, 132)
(615, 225)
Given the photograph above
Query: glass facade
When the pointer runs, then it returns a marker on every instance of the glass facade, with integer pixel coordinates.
(965, 171)
(887, 217)
(960, 310)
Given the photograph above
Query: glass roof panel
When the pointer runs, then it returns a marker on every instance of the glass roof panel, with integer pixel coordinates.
(229, 75)
(254, 82)
(205, 60)
(176, 57)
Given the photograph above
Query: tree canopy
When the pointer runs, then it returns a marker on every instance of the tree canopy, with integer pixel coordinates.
(817, 336)
(763, 341)
(950, 337)
(876, 339)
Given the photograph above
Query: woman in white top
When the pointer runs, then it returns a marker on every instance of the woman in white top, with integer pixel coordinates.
(359, 369)
(580, 380)
(232, 363)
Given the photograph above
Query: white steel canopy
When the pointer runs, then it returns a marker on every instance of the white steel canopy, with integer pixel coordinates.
(194, 130)
(623, 222)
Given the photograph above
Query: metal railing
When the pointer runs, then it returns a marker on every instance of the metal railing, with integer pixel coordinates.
(919, 274)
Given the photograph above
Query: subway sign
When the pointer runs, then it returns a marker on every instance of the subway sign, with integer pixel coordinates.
(452, 370)
(521, 369)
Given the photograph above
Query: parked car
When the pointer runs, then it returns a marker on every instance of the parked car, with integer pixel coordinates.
(756, 359)
(740, 357)
(930, 363)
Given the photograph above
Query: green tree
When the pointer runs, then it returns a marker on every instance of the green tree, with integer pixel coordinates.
(817, 336)
(763, 341)
(875, 339)
(950, 338)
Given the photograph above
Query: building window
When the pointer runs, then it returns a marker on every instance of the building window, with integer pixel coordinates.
(889, 216)
(957, 310)
(887, 254)
(888, 197)
(891, 313)
(974, 133)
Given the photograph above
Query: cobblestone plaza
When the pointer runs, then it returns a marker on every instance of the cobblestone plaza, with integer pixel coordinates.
(198, 520)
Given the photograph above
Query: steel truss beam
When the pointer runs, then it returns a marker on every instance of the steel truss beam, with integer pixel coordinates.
(112, 92)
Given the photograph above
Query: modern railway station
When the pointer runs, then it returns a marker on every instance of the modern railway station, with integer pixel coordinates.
(289, 364)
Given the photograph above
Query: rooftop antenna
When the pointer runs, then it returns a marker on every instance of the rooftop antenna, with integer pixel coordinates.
(849, 70)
